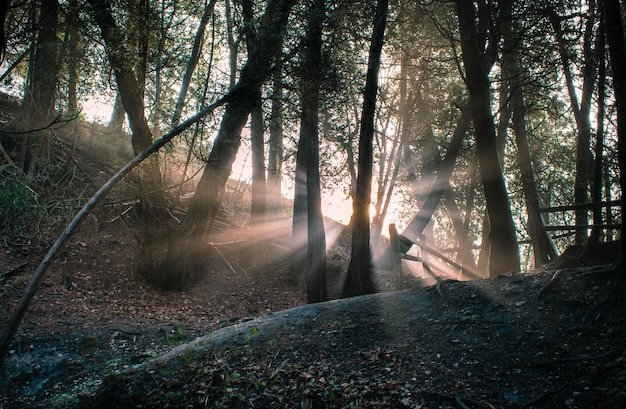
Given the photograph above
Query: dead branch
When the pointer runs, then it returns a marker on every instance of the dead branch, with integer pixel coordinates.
(14, 271)
(546, 287)
(543, 396)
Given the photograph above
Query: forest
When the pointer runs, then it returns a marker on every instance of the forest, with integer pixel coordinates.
(183, 167)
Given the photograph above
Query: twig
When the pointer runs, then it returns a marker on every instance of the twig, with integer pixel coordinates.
(279, 368)
(555, 276)
(459, 401)
(14, 271)
(578, 359)
(227, 262)
(544, 395)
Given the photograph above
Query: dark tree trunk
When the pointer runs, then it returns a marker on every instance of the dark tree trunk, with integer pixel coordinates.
(359, 276)
(184, 263)
(73, 57)
(275, 148)
(581, 112)
(4, 9)
(258, 206)
(40, 95)
(309, 132)
(130, 90)
(299, 228)
(617, 53)
(596, 186)
(504, 250)
(543, 249)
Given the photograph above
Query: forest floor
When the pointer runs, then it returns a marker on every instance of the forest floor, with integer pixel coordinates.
(542, 339)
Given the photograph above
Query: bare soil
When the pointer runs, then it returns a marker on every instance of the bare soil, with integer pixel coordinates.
(543, 339)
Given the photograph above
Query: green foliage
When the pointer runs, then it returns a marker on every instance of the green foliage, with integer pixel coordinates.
(19, 203)
(90, 341)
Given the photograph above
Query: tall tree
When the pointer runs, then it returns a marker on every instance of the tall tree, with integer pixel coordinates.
(28, 132)
(309, 132)
(184, 262)
(617, 52)
(275, 143)
(359, 278)
(581, 109)
(194, 57)
(514, 79)
(258, 205)
(504, 256)
(130, 90)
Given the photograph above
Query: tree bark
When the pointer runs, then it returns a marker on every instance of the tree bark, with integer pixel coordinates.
(504, 250)
(617, 53)
(193, 61)
(152, 210)
(184, 263)
(359, 276)
(513, 76)
(275, 148)
(581, 111)
(309, 132)
(38, 110)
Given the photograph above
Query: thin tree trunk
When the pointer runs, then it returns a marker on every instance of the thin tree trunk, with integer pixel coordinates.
(581, 111)
(193, 61)
(40, 93)
(258, 206)
(504, 250)
(513, 77)
(299, 227)
(73, 56)
(359, 276)
(232, 46)
(275, 144)
(596, 187)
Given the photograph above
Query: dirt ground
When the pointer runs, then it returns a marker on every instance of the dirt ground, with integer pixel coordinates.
(535, 340)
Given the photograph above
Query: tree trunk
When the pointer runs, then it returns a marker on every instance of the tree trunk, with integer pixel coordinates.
(309, 133)
(359, 276)
(275, 148)
(38, 110)
(116, 122)
(596, 186)
(299, 227)
(504, 250)
(184, 263)
(512, 75)
(73, 57)
(152, 210)
(617, 52)
(581, 112)
(193, 61)
(258, 206)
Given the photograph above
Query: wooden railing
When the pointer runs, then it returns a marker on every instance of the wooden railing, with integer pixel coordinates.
(586, 206)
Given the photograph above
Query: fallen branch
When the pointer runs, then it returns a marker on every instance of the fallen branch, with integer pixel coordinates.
(543, 396)
(14, 271)
(18, 314)
(546, 287)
